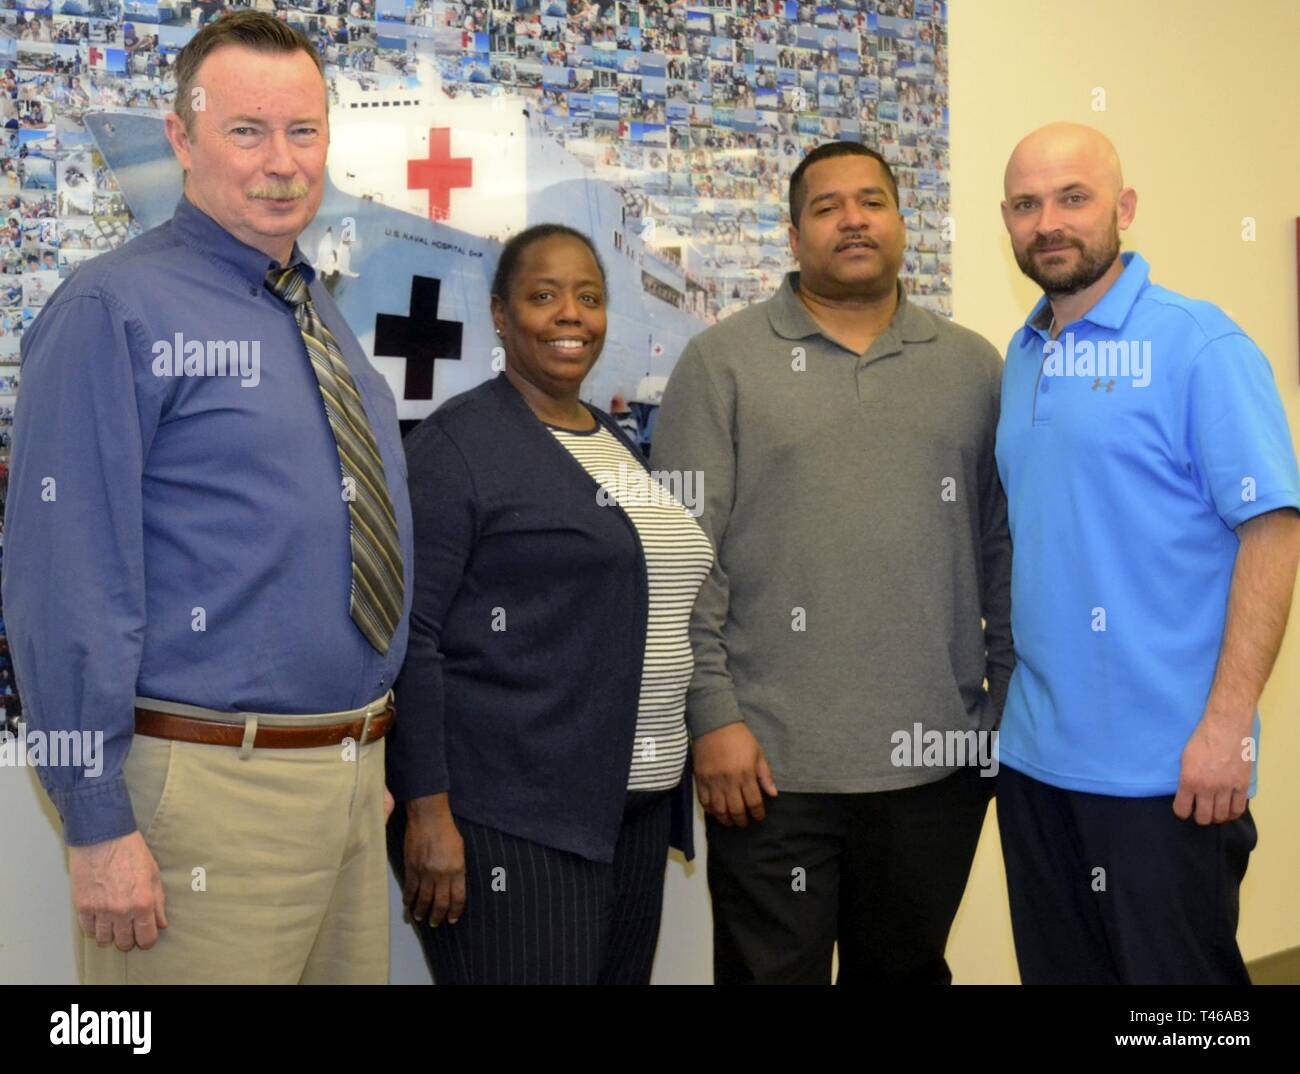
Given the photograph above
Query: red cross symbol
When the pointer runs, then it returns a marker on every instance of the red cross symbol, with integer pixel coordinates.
(440, 173)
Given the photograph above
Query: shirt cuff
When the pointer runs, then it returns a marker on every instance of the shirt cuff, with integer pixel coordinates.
(712, 709)
(418, 785)
(1254, 508)
(95, 813)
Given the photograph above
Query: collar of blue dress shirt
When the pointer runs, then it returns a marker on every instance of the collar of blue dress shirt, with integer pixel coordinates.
(212, 240)
(1110, 311)
(790, 318)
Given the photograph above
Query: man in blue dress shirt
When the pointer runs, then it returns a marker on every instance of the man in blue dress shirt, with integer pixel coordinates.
(207, 562)
(1152, 491)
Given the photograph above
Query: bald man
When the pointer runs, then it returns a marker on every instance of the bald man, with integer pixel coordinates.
(1153, 497)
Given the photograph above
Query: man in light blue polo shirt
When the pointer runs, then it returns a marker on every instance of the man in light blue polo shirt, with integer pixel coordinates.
(1153, 496)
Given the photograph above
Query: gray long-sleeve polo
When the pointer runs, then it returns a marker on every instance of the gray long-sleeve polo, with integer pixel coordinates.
(862, 582)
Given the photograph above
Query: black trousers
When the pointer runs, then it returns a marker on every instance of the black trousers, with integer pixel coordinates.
(537, 915)
(1110, 890)
(882, 874)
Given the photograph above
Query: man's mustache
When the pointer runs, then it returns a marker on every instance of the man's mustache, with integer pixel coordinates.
(1038, 245)
(280, 192)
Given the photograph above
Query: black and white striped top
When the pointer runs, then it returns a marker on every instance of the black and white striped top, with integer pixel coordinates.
(678, 557)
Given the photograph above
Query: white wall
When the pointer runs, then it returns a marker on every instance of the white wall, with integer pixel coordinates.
(36, 922)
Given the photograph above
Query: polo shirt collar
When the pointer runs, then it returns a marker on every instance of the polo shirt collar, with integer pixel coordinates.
(1111, 310)
(790, 318)
(212, 240)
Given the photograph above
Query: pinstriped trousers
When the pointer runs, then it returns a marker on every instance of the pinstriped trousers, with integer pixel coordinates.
(537, 915)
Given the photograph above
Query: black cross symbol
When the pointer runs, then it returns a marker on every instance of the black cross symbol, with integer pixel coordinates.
(420, 338)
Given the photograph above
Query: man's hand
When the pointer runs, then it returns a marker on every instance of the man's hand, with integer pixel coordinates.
(731, 775)
(1216, 773)
(388, 804)
(118, 893)
(435, 861)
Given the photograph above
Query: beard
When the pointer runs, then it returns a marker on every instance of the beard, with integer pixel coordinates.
(1060, 281)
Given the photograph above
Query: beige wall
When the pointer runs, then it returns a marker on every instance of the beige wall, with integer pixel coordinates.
(1200, 101)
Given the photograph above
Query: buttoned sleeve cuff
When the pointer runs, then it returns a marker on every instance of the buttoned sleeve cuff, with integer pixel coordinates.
(94, 811)
(709, 710)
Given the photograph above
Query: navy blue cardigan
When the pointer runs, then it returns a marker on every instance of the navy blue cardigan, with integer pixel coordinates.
(521, 684)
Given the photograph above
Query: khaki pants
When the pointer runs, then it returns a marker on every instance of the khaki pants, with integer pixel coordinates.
(273, 867)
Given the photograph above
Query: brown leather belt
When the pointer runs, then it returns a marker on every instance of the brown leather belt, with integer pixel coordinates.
(213, 733)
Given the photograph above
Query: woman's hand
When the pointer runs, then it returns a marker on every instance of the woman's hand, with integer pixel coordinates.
(435, 862)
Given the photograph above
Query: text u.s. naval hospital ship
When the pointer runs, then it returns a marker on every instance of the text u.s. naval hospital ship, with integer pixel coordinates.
(415, 290)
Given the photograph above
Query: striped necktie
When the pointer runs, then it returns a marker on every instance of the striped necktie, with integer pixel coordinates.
(377, 584)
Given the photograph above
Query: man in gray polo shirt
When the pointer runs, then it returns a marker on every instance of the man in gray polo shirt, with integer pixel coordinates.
(860, 599)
